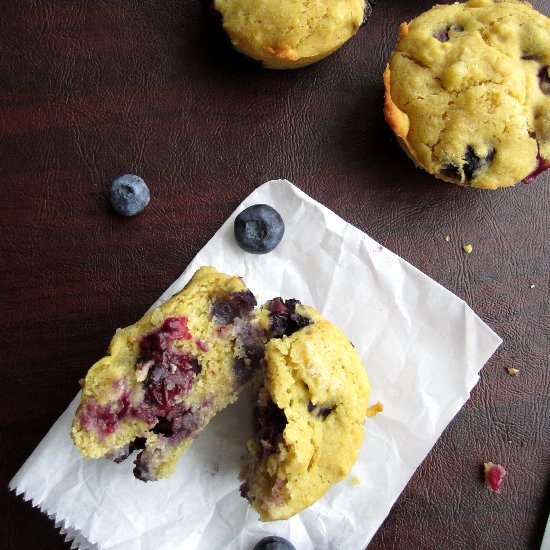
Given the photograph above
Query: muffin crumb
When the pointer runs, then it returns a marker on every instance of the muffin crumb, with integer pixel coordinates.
(373, 410)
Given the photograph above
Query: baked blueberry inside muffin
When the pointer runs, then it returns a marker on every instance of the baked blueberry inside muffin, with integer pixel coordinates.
(167, 375)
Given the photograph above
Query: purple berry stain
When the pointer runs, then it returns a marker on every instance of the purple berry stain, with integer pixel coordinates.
(169, 374)
(105, 418)
(542, 166)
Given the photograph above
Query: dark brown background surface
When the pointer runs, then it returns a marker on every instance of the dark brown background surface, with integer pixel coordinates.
(91, 90)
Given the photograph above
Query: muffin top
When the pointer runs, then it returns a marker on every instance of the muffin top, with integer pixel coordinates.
(290, 33)
(468, 92)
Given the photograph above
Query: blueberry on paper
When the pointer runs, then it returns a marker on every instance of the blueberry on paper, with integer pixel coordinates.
(129, 195)
(259, 229)
(274, 543)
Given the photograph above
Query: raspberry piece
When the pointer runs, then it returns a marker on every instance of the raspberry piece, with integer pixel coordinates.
(494, 473)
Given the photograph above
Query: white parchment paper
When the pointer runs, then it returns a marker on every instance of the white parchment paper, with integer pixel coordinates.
(545, 545)
(422, 346)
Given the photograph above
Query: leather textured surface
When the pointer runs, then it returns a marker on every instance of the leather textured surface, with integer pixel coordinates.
(91, 90)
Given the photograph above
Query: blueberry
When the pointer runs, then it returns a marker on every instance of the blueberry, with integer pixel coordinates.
(259, 229)
(544, 79)
(269, 423)
(237, 304)
(129, 195)
(474, 164)
(471, 166)
(443, 34)
(322, 411)
(283, 318)
(274, 543)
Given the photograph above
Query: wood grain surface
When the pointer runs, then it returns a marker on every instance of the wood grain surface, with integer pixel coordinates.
(92, 90)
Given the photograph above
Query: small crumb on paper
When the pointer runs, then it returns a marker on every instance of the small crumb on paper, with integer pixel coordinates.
(512, 371)
(447, 238)
(373, 410)
(468, 248)
(494, 473)
(355, 481)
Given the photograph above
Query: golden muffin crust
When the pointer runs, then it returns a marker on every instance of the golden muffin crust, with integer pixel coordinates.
(467, 92)
(289, 34)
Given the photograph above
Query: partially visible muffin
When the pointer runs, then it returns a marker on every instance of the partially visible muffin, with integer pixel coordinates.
(288, 34)
(310, 403)
(467, 92)
(168, 374)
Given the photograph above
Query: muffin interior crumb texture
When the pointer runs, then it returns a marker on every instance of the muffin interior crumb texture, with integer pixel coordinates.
(311, 402)
(468, 92)
(168, 374)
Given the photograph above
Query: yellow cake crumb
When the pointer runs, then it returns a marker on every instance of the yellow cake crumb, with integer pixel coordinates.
(468, 248)
(512, 371)
(355, 481)
(447, 238)
(373, 410)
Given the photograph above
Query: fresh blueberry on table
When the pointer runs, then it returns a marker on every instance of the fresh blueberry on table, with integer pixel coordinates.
(129, 195)
(274, 543)
(259, 229)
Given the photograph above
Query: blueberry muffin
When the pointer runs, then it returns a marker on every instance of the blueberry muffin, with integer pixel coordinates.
(468, 92)
(287, 34)
(168, 374)
(310, 403)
